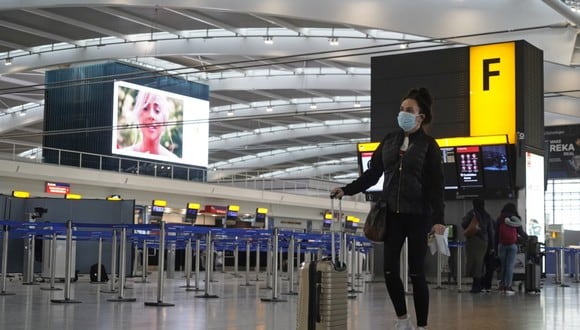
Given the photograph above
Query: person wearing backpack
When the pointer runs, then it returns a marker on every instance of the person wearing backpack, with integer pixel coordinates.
(508, 229)
(477, 241)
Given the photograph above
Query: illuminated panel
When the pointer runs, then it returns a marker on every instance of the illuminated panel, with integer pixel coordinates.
(194, 206)
(72, 196)
(159, 202)
(233, 208)
(262, 210)
(492, 84)
(472, 141)
(20, 194)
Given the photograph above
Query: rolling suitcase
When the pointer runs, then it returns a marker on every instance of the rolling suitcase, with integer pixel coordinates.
(532, 281)
(533, 265)
(322, 297)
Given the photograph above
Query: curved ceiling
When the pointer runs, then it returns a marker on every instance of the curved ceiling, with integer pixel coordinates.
(289, 107)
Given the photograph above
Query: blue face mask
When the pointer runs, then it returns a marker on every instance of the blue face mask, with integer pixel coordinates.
(406, 121)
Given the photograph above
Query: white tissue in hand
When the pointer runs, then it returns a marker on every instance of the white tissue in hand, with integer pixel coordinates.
(439, 243)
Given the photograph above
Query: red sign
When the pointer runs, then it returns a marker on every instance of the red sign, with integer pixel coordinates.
(215, 209)
(57, 188)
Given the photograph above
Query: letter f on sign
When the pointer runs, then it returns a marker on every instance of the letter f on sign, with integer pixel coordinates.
(487, 73)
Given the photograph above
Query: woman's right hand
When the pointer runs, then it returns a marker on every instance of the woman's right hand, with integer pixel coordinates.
(336, 193)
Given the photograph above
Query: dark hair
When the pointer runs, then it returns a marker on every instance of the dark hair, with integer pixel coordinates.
(478, 204)
(424, 100)
(510, 208)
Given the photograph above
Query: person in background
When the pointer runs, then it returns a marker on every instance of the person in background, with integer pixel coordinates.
(490, 262)
(151, 111)
(413, 189)
(477, 246)
(508, 229)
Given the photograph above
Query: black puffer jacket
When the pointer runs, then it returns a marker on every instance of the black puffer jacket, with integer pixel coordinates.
(416, 177)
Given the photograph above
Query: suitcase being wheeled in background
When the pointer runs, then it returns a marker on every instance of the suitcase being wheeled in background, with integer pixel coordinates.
(533, 265)
(322, 297)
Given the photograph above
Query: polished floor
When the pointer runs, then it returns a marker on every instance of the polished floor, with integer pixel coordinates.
(240, 307)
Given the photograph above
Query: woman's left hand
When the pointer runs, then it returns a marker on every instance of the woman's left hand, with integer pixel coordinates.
(438, 229)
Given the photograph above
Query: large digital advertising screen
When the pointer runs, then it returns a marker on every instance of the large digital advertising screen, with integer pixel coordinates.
(535, 196)
(158, 125)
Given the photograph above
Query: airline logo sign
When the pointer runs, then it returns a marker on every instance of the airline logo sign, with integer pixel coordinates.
(492, 85)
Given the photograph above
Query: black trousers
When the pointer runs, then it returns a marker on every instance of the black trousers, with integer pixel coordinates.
(415, 228)
(490, 264)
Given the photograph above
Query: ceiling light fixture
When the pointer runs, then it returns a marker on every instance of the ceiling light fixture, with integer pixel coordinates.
(404, 45)
(313, 106)
(268, 40)
(269, 108)
(333, 41)
(8, 61)
(230, 113)
(356, 104)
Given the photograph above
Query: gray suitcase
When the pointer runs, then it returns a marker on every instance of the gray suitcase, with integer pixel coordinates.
(322, 296)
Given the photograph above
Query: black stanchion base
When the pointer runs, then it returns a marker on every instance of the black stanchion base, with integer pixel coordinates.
(247, 284)
(109, 291)
(33, 283)
(266, 288)
(186, 286)
(291, 293)
(273, 300)
(354, 291)
(375, 281)
(123, 299)
(351, 297)
(142, 281)
(159, 304)
(439, 288)
(207, 295)
(65, 301)
(51, 289)
(4, 293)
(193, 289)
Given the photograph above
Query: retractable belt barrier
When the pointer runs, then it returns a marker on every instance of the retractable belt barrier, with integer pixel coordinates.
(158, 236)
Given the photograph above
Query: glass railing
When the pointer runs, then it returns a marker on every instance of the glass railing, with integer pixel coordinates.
(32, 153)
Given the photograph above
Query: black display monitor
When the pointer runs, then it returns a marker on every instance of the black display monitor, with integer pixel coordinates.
(261, 214)
(449, 172)
(483, 171)
(191, 215)
(157, 213)
(191, 211)
(497, 171)
(469, 168)
(351, 224)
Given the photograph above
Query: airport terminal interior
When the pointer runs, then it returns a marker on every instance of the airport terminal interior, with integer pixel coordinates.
(147, 135)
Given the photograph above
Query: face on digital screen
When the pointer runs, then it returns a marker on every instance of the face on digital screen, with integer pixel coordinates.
(159, 125)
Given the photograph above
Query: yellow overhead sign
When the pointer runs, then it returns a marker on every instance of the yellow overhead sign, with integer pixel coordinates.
(471, 141)
(492, 89)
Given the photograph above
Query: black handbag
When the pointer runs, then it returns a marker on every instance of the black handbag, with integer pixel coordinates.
(376, 222)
